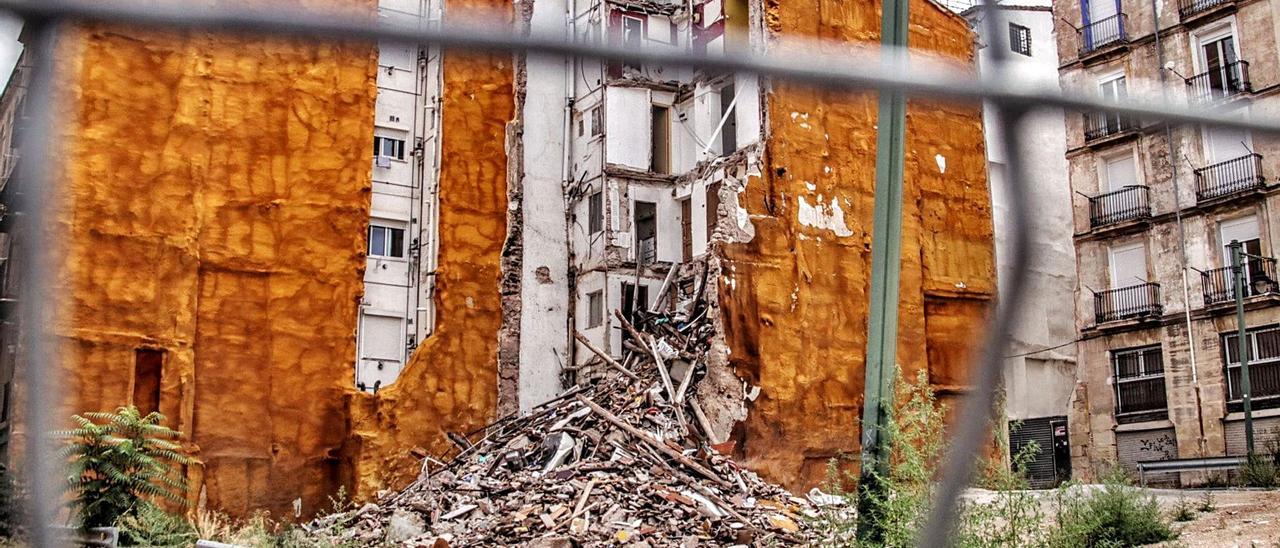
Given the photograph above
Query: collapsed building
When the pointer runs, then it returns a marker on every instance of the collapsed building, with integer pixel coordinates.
(547, 194)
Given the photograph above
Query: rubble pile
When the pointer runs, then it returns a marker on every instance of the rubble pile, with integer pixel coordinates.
(621, 459)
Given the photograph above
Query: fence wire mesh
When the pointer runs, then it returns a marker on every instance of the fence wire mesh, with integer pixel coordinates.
(835, 66)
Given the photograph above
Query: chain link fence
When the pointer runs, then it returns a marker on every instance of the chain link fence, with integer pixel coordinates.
(851, 69)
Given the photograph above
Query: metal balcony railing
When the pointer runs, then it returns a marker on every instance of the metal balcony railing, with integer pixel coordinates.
(1127, 204)
(1100, 124)
(1136, 301)
(1103, 32)
(1230, 177)
(1141, 395)
(1259, 279)
(1188, 8)
(1219, 83)
(1264, 380)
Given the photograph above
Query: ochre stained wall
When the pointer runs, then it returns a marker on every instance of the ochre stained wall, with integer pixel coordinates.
(216, 204)
(451, 382)
(795, 312)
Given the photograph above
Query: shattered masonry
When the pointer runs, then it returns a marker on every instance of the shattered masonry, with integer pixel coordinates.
(242, 269)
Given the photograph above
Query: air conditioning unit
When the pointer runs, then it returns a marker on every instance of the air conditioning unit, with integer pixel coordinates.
(382, 161)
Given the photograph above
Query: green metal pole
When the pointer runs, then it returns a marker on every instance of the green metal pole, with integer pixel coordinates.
(1242, 341)
(886, 263)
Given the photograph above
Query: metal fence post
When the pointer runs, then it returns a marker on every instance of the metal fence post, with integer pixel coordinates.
(1242, 341)
(886, 263)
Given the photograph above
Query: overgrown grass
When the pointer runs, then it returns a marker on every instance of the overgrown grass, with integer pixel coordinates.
(916, 444)
(1117, 514)
(1182, 511)
(1260, 471)
(1207, 503)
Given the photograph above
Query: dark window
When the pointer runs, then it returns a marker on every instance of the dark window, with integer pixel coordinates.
(646, 225)
(1139, 374)
(595, 212)
(660, 140)
(1263, 347)
(387, 147)
(595, 309)
(385, 241)
(713, 209)
(6, 403)
(634, 299)
(147, 366)
(1020, 39)
(729, 133)
(632, 37)
(686, 229)
(597, 121)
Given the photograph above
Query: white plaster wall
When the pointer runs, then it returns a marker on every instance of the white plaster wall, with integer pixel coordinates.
(668, 221)
(388, 283)
(747, 111)
(544, 291)
(697, 194)
(588, 282)
(1038, 385)
(627, 124)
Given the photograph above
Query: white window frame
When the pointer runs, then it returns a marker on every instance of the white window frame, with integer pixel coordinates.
(1222, 241)
(1143, 375)
(1199, 37)
(1206, 146)
(382, 139)
(1111, 263)
(1109, 77)
(1229, 344)
(389, 225)
(1104, 161)
(593, 318)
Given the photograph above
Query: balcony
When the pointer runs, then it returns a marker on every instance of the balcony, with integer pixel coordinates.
(1259, 279)
(1127, 204)
(1102, 33)
(1228, 178)
(1133, 302)
(1100, 125)
(1220, 83)
(1191, 8)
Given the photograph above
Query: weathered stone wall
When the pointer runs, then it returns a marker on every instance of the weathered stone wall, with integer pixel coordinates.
(794, 298)
(451, 382)
(217, 192)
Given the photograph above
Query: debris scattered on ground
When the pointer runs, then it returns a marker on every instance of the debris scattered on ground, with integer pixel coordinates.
(622, 458)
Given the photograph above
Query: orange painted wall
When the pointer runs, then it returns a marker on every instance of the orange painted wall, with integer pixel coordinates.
(795, 316)
(451, 382)
(216, 204)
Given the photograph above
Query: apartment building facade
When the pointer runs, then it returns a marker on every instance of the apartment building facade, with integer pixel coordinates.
(1155, 209)
(396, 311)
(651, 148)
(1040, 370)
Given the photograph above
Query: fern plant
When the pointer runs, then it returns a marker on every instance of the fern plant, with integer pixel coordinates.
(116, 460)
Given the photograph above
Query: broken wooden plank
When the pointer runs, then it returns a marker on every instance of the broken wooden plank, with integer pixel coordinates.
(649, 440)
(604, 355)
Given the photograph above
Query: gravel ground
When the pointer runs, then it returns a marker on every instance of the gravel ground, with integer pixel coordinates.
(1240, 518)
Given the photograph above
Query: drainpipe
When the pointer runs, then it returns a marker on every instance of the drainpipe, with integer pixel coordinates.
(566, 169)
(1182, 240)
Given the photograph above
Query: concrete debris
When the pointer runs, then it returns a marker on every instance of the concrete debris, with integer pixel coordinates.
(618, 459)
